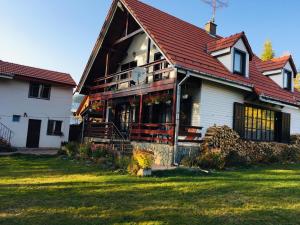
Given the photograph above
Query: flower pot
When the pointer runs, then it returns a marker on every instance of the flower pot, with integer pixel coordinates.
(144, 172)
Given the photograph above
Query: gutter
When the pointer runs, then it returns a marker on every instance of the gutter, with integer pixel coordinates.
(210, 77)
(6, 76)
(276, 102)
(178, 99)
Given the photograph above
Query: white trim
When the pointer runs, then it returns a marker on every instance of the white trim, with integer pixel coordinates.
(272, 72)
(221, 52)
(264, 99)
(220, 81)
(6, 76)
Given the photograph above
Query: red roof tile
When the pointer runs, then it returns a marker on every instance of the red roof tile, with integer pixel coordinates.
(185, 45)
(27, 72)
(276, 63)
(228, 42)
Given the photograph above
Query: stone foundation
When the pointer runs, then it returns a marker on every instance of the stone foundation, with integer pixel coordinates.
(164, 154)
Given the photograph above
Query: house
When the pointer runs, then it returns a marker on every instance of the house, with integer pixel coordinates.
(35, 106)
(160, 82)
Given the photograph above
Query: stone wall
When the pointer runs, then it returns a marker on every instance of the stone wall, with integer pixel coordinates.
(164, 154)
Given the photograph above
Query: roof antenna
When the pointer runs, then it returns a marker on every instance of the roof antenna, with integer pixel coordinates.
(216, 4)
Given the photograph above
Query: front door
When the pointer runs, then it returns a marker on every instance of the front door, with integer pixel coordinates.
(33, 133)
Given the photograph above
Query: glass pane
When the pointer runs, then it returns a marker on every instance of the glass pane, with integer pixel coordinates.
(237, 62)
(45, 92)
(34, 90)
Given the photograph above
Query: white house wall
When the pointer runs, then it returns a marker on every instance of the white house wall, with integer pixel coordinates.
(216, 106)
(138, 51)
(295, 119)
(14, 101)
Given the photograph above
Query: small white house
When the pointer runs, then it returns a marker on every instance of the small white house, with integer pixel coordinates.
(35, 105)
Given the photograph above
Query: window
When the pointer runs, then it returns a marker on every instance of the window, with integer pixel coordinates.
(129, 65)
(54, 128)
(41, 91)
(158, 56)
(16, 118)
(261, 124)
(239, 62)
(287, 80)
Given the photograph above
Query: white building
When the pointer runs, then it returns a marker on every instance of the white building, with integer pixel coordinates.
(35, 105)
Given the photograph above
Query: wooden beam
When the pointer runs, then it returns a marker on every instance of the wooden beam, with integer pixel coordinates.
(107, 65)
(148, 50)
(128, 36)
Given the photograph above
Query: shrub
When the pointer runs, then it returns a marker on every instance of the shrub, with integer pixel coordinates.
(211, 160)
(85, 150)
(290, 153)
(189, 161)
(71, 149)
(144, 158)
(122, 162)
(133, 167)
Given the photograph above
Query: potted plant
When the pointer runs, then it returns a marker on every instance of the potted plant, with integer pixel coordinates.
(145, 160)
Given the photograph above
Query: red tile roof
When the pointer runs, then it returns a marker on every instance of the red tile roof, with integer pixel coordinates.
(185, 45)
(276, 63)
(31, 73)
(228, 42)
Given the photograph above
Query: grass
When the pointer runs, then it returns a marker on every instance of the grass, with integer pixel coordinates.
(45, 190)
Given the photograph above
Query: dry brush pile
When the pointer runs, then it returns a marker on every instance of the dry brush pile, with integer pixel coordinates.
(223, 147)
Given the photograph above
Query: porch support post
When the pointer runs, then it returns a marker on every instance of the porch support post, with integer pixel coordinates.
(140, 113)
(178, 99)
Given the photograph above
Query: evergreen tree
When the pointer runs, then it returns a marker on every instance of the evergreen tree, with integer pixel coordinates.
(268, 52)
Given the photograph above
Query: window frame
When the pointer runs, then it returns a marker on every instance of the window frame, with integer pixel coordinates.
(290, 81)
(41, 87)
(243, 61)
(53, 132)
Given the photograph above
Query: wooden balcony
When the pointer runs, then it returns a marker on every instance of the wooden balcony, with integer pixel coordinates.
(158, 77)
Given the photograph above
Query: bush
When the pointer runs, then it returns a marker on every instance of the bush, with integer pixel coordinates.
(189, 161)
(85, 150)
(122, 162)
(71, 149)
(291, 154)
(144, 158)
(211, 160)
(133, 167)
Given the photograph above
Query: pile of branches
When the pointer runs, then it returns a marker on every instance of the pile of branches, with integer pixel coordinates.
(295, 139)
(235, 151)
(220, 138)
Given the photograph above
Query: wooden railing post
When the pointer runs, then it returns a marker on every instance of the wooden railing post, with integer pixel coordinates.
(140, 113)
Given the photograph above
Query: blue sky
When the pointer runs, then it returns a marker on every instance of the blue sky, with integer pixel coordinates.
(60, 34)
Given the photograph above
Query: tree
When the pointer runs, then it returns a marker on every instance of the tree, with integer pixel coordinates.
(297, 82)
(268, 52)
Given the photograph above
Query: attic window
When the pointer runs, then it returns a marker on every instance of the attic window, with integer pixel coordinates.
(287, 80)
(239, 62)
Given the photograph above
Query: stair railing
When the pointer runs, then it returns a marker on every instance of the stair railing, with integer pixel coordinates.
(5, 134)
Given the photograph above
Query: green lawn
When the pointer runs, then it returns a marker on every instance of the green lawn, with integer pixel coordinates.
(55, 191)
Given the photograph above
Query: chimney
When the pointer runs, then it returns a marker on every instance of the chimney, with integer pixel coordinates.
(211, 28)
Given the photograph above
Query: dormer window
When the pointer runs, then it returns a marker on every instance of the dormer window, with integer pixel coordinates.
(287, 80)
(239, 62)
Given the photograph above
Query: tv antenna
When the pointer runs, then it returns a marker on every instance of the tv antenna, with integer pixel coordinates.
(216, 4)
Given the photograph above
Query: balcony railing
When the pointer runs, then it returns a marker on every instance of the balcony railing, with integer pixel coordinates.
(152, 132)
(156, 71)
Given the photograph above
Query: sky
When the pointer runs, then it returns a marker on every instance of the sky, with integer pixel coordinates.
(60, 34)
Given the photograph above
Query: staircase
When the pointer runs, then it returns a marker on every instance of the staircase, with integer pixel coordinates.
(5, 137)
(108, 134)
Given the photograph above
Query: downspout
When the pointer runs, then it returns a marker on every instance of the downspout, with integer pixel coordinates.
(178, 98)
